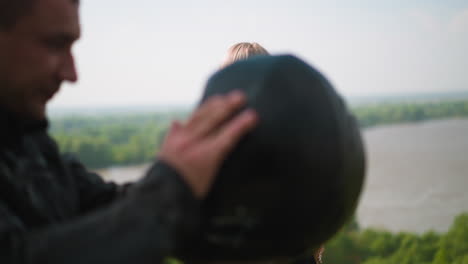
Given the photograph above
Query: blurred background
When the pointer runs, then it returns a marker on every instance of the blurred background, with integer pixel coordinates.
(400, 65)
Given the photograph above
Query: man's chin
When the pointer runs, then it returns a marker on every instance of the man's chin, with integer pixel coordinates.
(35, 112)
(40, 114)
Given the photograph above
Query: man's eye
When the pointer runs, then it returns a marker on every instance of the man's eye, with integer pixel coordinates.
(56, 44)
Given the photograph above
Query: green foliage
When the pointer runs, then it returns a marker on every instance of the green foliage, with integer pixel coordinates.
(103, 141)
(371, 115)
(123, 139)
(454, 245)
(372, 246)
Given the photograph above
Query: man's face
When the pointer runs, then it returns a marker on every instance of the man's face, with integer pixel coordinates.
(35, 56)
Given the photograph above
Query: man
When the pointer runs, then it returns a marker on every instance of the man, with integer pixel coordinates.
(51, 209)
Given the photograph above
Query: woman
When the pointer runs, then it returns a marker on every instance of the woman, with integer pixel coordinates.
(242, 51)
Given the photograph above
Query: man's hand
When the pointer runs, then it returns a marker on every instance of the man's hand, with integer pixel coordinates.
(197, 147)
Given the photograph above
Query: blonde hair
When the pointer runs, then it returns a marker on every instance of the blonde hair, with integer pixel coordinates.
(242, 51)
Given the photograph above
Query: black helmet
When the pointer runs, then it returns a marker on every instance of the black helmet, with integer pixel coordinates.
(294, 180)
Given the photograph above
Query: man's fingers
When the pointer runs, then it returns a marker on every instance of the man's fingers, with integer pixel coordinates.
(201, 111)
(230, 134)
(213, 112)
(197, 158)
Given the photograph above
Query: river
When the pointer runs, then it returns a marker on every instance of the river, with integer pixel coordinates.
(417, 175)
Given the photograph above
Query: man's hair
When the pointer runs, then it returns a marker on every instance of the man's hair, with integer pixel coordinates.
(12, 10)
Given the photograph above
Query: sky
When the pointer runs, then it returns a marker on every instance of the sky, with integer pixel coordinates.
(153, 53)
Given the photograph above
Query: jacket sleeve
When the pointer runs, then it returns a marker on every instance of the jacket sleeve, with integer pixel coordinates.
(93, 192)
(155, 216)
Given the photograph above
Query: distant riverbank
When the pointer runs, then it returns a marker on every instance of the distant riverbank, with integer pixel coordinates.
(128, 138)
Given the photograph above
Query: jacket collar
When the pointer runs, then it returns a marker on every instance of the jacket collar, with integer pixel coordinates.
(14, 126)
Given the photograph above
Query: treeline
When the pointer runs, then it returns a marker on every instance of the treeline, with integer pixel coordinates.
(371, 246)
(106, 140)
(124, 139)
(378, 114)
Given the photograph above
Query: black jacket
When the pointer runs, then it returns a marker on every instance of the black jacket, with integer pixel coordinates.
(54, 211)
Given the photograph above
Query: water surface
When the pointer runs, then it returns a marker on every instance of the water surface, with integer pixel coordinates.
(417, 176)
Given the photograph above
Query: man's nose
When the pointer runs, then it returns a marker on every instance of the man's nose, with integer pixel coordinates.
(68, 68)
